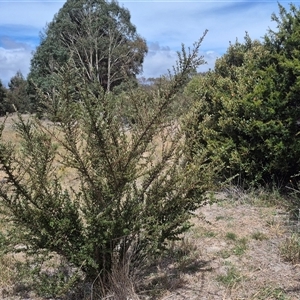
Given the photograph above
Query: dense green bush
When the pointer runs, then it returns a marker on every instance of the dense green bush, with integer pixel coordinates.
(95, 190)
(247, 110)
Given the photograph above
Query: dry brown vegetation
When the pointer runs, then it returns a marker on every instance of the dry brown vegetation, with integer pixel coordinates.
(237, 249)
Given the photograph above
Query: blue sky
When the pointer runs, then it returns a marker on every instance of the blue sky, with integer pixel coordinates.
(164, 24)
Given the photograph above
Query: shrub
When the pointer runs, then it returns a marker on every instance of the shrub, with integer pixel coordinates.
(247, 110)
(128, 189)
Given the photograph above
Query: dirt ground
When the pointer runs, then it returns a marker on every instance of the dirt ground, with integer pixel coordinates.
(235, 254)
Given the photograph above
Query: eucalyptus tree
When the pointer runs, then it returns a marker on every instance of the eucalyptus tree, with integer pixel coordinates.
(100, 38)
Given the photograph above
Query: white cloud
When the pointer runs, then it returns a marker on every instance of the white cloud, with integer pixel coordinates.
(16, 57)
(164, 24)
(168, 24)
(210, 58)
(20, 24)
(158, 60)
(174, 23)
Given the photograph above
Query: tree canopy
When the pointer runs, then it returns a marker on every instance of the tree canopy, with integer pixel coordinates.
(17, 97)
(98, 35)
(3, 100)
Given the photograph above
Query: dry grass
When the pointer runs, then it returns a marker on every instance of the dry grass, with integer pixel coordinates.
(233, 253)
(7, 273)
(235, 250)
(241, 245)
(290, 248)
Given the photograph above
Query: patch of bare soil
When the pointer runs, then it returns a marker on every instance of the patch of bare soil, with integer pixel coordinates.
(236, 255)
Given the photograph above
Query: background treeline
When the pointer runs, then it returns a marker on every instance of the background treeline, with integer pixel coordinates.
(15, 97)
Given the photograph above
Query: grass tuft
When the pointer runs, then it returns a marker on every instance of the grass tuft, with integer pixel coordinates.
(270, 293)
(231, 278)
(259, 236)
(290, 249)
(231, 236)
